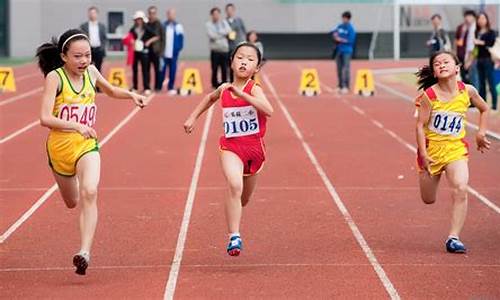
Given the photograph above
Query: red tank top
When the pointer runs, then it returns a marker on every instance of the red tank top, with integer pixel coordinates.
(240, 119)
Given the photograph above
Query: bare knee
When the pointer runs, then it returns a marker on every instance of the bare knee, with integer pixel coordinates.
(88, 193)
(428, 200)
(235, 190)
(460, 192)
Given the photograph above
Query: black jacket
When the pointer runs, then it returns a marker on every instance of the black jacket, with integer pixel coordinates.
(102, 34)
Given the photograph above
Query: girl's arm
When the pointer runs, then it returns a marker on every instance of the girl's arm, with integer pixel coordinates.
(48, 120)
(116, 92)
(481, 140)
(205, 104)
(257, 99)
(423, 116)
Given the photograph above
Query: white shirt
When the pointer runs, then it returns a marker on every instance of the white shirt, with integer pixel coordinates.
(469, 43)
(169, 39)
(95, 40)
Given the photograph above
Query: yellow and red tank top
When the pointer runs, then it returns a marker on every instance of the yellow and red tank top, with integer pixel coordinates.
(72, 105)
(448, 118)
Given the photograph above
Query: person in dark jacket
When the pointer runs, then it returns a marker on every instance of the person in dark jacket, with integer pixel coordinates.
(143, 38)
(439, 40)
(485, 38)
(156, 48)
(96, 31)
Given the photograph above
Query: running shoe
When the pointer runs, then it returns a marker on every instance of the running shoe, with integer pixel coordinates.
(454, 245)
(81, 262)
(234, 246)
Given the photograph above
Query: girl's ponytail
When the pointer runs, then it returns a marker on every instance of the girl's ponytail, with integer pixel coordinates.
(425, 77)
(49, 57)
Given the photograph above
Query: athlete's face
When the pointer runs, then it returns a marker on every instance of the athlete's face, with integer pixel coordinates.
(245, 62)
(444, 66)
(78, 57)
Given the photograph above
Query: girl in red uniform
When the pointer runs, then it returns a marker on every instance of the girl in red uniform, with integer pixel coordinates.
(244, 112)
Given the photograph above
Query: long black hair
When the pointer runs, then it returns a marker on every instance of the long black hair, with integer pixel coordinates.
(425, 76)
(49, 54)
(247, 44)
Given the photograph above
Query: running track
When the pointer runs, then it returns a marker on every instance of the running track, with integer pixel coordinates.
(336, 212)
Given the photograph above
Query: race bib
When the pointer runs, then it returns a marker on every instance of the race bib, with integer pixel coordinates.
(139, 45)
(81, 113)
(240, 121)
(446, 123)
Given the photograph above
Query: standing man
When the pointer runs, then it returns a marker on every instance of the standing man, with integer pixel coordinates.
(218, 31)
(174, 41)
(96, 31)
(238, 32)
(345, 37)
(464, 41)
(157, 47)
(439, 39)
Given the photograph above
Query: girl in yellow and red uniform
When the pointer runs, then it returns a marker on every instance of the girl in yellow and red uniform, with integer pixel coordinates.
(69, 110)
(244, 112)
(441, 122)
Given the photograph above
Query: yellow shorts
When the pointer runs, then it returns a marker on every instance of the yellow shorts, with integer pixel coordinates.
(64, 149)
(443, 153)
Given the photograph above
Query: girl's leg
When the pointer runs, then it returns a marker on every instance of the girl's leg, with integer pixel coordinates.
(428, 187)
(232, 166)
(68, 187)
(457, 174)
(88, 171)
(249, 184)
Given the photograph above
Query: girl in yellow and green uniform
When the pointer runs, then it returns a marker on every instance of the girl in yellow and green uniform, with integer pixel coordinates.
(68, 109)
(65, 148)
(441, 123)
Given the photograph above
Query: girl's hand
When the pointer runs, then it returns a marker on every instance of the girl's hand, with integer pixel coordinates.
(482, 142)
(426, 162)
(236, 91)
(189, 125)
(86, 131)
(139, 100)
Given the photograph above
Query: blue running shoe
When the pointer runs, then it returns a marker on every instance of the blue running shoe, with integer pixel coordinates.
(454, 245)
(234, 246)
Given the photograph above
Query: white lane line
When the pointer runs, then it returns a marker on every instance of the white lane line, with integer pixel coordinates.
(20, 131)
(20, 96)
(389, 89)
(412, 148)
(53, 188)
(241, 266)
(389, 287)
(181, 240)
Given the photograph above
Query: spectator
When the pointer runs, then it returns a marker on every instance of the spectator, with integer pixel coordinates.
(218, 31)
(485, 67)
(174, 42)
(157, 47)
(439, 40)
(345, 36)
(238, 31)
(96, 31)
(143, 38)
(464, 41)
(253, 38)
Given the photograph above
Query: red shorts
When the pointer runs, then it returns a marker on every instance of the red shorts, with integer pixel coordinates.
(252, 154)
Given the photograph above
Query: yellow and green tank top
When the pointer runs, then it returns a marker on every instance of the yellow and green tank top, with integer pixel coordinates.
(73, 105)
